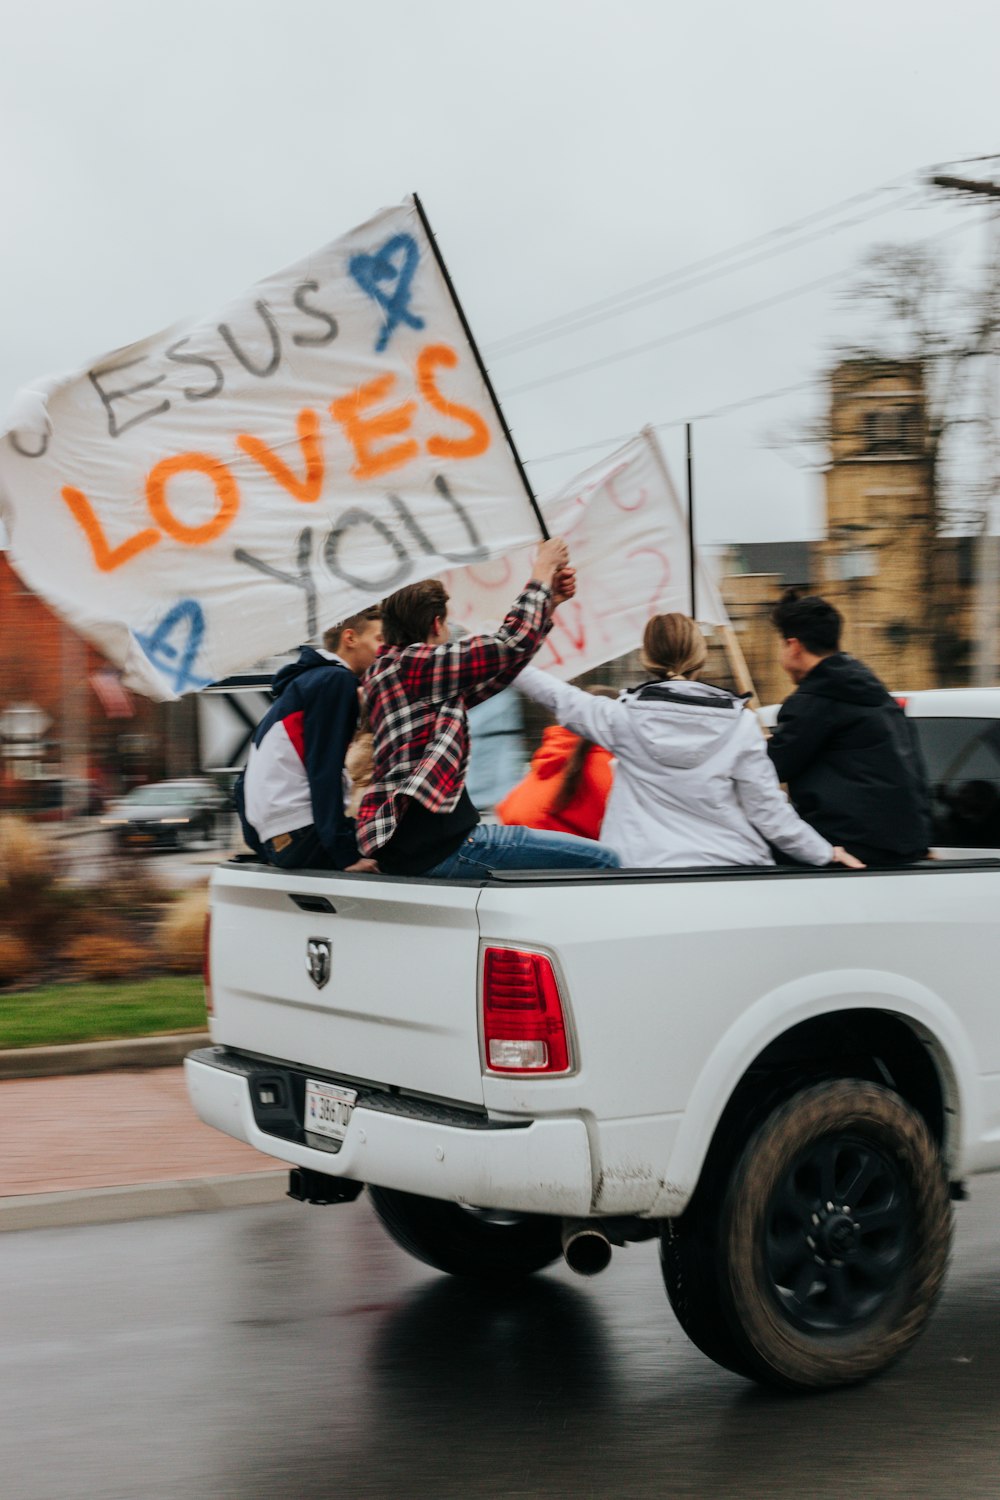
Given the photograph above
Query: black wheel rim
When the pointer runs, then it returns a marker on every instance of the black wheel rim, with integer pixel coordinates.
(838, 1235)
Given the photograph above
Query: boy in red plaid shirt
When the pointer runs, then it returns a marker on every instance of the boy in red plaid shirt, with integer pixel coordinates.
(417, 817)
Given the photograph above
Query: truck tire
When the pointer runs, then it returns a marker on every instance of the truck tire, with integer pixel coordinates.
(688, 1262)
(466, 1242)
(833, 1237)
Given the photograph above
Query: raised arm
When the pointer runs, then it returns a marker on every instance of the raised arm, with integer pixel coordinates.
(597, 719)
(478, 666)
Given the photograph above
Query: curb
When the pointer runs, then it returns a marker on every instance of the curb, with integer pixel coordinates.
(144, 1200)
(98, 1057)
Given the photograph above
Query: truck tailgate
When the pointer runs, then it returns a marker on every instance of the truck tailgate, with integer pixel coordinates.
(399, 1005)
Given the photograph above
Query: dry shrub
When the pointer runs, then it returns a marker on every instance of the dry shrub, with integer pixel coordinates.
(26, 860)
(106, 954)
(130, 889)
(25, 856)
(180, 935)
(15, 959)
(27, 882)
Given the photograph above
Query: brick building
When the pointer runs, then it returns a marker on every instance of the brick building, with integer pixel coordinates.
(93, 730)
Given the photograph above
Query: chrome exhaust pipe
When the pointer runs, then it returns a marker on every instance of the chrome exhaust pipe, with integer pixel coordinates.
(586, 1248)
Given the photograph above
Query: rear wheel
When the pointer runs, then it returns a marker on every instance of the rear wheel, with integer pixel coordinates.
(467, 1242)
(688, 1261)
(832, 1240)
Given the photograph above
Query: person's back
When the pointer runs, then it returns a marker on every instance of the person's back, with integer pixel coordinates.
(417, 817)
(843, 745)
(565, 791)
(685, 793)
(693, 785)
(290, 798)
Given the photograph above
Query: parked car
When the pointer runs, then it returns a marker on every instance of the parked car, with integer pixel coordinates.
(167, 814)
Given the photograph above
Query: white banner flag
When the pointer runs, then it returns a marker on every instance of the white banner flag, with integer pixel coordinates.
(224, 490)
(627, 536)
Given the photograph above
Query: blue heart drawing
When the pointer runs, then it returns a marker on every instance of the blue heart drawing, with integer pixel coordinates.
(388, 281)
(177, 661)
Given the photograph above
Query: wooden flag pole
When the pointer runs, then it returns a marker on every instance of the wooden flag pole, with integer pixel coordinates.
(738, 663)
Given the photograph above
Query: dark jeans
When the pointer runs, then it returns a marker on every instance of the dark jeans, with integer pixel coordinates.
(512, 847)
(302, 852)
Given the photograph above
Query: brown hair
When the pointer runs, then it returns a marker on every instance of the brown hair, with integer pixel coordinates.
(333, 636)
(408, 615)
(574, 766)
(673, 646)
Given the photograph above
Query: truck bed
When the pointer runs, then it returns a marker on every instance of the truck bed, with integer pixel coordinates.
(673, 981)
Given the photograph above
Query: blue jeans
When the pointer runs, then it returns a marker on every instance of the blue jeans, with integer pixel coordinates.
(515, 848)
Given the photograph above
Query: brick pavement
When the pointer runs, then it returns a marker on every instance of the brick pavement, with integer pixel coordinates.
(110, 1130)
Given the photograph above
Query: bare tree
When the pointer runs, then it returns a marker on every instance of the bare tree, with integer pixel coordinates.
(909, 307)
(917, 314)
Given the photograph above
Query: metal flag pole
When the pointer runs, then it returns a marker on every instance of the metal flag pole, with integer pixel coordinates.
(727, 635)
(482, 368)
(692, 565)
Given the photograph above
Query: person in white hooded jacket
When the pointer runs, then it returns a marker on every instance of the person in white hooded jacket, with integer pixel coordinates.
(693, 784)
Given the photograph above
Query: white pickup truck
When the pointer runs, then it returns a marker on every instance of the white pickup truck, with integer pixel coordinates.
(784, 1075)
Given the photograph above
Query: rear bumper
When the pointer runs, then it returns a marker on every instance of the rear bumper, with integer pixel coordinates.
(142, 836)
(542, 1167)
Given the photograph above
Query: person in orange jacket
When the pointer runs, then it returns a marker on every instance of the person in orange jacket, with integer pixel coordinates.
(567, 786)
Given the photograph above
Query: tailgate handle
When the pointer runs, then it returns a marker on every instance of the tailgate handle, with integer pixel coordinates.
(313, 903)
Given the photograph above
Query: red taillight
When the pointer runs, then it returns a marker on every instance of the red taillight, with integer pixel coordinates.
(206, 964)
(901, 701)
(524, 1030)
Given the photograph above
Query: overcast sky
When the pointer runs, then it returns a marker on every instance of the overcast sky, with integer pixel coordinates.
(161, 156)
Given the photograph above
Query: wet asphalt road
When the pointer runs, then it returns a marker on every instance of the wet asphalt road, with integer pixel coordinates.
(290, 1352)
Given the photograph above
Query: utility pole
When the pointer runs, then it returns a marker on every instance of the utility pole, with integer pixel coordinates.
(692, 552)
(74, 729)
(987, 604)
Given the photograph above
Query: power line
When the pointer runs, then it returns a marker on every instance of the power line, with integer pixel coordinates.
(676, 336)
(535, 333)
(682, 271)
(718, 411)
(675, 283)
(703, 327)
(630, 298)
(963, 161)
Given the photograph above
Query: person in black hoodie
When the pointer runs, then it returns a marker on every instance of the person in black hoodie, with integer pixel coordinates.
(843, 745)
(290, 797)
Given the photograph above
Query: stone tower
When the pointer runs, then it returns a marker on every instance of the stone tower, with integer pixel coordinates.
(878, 560)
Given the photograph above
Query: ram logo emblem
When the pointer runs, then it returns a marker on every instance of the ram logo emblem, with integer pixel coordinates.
(318, 961)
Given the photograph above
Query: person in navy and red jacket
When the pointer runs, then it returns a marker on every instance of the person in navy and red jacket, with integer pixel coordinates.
(290, 797)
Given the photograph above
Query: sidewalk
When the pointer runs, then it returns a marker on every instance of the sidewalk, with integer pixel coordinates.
(70, 1139)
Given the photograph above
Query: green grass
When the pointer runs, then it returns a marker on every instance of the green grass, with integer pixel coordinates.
(91, 1012)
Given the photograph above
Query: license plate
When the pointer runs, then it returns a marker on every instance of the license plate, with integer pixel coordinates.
(328, 1109)
(140, 838)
